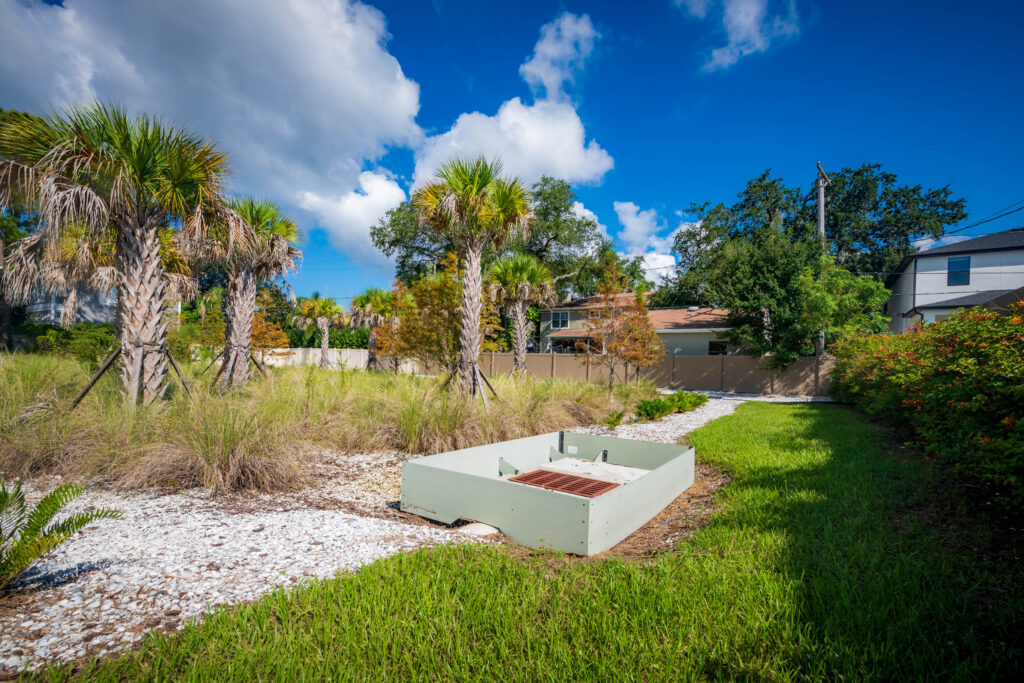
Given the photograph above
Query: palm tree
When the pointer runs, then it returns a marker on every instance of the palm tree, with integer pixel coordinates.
(470, 203)
(323, 313)
(269, 255)
(96, 168)
(372, 309)
(516, 282)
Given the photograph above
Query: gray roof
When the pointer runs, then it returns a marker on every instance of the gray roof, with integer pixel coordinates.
(967, 300)
(996, 241)
(1007, 239)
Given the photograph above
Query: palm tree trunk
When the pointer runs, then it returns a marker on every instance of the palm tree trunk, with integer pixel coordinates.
(371, 349)
(140, 304)
(240, 307)
(6, 341)
(519, 327)
(469, 312)
(321, 324)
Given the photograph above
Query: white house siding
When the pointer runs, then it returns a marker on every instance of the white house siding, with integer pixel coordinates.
(902, 300)
(990, 271)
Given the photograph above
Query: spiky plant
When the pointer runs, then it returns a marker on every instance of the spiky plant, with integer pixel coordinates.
(373, 309)
(97, 168)
(27, 534)
(471, 204)
(323, 313)
(270, 254)
(516, 282)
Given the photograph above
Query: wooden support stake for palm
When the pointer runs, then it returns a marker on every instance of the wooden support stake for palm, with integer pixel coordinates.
(483, 394)
(219, 354)
(96, 377)
(174, 364)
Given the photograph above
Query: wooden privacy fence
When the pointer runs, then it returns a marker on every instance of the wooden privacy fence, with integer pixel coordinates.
(739, 374)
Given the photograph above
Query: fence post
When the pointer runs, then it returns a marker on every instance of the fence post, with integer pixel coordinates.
(817, 375)
(587, 364)
(721, 373)
(490, 369)
(672, 374)
(552, 365)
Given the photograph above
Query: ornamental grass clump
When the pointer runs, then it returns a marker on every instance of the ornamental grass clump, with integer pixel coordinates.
(261, 435)
(957, 384)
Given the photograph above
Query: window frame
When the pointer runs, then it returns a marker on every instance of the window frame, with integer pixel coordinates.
(559, 320)
(723, 348)
(953, 276)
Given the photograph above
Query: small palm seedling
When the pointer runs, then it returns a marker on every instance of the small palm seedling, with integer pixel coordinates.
(24, 534)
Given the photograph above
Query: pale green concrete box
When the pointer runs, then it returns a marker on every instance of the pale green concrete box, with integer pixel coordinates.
(469, 484)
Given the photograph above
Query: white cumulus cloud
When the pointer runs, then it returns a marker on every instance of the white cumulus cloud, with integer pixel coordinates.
(301, 94)
(543, 138)
(564, 45)
(751, 26)
(645, 234)
(546, 138)
(349, 216)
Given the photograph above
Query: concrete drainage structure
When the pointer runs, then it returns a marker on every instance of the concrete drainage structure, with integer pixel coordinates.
(576, 493)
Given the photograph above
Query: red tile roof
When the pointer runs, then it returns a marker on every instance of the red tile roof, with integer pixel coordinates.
(596, 301)
(685, 319)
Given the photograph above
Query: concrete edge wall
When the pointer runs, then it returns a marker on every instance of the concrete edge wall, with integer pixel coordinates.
(616, 514)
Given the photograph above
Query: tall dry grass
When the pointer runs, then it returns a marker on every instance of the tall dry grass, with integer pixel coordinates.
(258, 436)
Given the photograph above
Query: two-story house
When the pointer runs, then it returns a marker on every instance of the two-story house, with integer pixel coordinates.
(684, 331)
(929, 285)
(92, 307)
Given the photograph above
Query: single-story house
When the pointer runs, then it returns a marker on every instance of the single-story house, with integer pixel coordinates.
(929, 285)
(691, 331)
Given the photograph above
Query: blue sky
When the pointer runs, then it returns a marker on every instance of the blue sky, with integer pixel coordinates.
(337, 109)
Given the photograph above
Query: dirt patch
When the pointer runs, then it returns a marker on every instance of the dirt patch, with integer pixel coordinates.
(677, 521)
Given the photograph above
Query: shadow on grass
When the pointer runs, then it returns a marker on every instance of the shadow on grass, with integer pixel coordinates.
(889, 575)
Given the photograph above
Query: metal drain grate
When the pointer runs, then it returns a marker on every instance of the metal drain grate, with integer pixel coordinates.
(566, 483)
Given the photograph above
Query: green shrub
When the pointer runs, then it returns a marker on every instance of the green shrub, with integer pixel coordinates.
(24, 534)
(88, 342)
(958, 384)
(685, 401)
(613, 420)
(654, 408)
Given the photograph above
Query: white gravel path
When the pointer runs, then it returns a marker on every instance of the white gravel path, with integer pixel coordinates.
(177, 556)
(673, 427)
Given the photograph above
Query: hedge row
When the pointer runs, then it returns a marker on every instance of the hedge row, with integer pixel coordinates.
(958, 384)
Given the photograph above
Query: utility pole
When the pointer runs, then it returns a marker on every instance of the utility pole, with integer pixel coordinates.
(823, 180)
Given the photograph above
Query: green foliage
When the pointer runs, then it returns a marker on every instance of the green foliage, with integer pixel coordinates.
(613, 419)
(761, 259)
(26, 533)
(337, 338)
(415, 251)
(653, 409)
(811, 568)
(871, 222)
(958, 384)
(202, 336)
(88, 342)
(678, 402)
(685, 401)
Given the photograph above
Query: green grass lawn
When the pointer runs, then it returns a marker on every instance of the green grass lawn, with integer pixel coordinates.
(827, 559)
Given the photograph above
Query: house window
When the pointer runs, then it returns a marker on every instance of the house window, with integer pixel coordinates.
(958, 271)
(560, 320)
(717, 348)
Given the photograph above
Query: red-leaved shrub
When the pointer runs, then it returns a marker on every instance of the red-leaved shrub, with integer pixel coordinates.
(959, 384)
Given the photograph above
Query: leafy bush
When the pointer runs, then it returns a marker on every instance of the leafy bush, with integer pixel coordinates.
(24, 534)
(88, 342)
(679, 402)
(958, 384)
(344, 338)
(654, 408)
(614, 419)
(685, 401)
